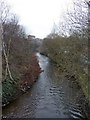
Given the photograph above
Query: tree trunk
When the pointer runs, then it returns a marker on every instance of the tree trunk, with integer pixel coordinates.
(7, 71)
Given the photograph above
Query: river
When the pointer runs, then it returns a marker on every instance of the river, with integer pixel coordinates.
(52, 96)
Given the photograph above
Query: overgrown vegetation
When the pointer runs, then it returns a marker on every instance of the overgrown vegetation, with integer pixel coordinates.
(18, 58)
(70, 55)
(71, 51)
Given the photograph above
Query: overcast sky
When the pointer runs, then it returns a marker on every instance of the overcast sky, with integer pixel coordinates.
(38, 16)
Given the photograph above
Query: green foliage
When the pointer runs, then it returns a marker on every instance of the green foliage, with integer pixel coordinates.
(7, 90)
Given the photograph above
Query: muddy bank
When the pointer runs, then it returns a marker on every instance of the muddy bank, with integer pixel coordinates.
(11, 90)
(52, 96)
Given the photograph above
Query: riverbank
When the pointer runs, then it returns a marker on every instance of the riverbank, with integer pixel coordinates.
(13, 89)
(52, 96)
(82, 80)
(70, 55)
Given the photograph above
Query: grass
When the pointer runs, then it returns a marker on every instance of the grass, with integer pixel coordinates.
(70, 54)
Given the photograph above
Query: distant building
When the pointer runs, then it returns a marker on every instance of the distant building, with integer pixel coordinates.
(31, 37)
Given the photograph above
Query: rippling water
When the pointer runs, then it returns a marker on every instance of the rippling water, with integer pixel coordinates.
(52, 96)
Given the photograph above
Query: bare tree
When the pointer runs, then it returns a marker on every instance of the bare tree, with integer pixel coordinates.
(75, 20)
(5, 47)
(5, 11)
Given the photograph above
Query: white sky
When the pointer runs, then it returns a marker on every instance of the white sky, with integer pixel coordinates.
(38, 16)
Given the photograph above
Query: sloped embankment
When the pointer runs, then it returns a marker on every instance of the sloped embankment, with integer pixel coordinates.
(71, 56)
(11, 90)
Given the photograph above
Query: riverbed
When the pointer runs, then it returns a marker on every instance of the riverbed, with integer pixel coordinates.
(52, 96)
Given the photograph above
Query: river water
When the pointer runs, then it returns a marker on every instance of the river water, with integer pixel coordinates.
(52, 96)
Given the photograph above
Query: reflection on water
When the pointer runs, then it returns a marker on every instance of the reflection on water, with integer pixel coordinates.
(52, 96)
